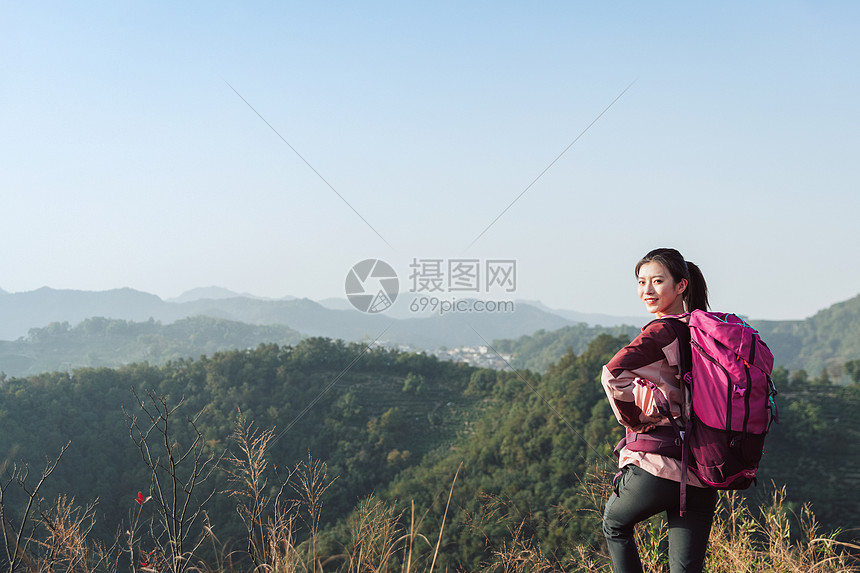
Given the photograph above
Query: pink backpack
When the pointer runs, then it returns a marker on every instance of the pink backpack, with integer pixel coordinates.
(727, 372)
(732, 398)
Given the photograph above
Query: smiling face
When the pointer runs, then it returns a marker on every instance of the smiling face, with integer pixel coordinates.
(659, 291)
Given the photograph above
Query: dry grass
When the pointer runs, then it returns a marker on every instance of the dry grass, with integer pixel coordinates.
(283, 535)
(63, 545)
(742, 541)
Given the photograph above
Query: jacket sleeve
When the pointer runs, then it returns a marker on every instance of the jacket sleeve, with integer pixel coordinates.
(631, 400)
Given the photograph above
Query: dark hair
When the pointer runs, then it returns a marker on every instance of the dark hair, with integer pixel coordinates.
(696, 293)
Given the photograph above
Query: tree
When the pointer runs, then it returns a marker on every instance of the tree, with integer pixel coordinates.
(823, 378)
(780, 377)
(414, 384)
(481, 382)
(177, 472)
(799, 378)
(852, 369)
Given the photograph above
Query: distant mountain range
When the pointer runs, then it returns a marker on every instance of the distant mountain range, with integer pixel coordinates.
(825, 340)
(332, 318)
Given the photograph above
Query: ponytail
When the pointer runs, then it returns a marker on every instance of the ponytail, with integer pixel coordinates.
(696, 293)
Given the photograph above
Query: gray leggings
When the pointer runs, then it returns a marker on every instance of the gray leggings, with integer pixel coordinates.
(641, 495)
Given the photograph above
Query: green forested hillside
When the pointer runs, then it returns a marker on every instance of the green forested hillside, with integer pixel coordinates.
(524, 462)
(531, 452)
(399, 426)
(361, 418)
(537, 351)
(826, 340)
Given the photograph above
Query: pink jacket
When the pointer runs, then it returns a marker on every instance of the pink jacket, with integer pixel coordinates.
(654, 356)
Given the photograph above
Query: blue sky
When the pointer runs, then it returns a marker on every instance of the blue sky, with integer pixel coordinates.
(127, 160)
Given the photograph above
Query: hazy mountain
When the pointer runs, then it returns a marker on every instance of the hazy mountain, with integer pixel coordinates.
(427, 332)
(218, 293)
(102, 342)
(402, 308)
(21, 312)
(590, 318)
(826, 339)
(335, 303)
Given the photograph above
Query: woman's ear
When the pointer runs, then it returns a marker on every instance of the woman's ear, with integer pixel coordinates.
(682, 286)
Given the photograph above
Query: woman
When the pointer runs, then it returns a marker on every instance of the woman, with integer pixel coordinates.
(649, 482)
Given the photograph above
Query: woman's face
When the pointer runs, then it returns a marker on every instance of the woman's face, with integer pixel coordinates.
(659, 291)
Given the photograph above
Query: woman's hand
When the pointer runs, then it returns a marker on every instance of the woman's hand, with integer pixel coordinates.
(646, 426)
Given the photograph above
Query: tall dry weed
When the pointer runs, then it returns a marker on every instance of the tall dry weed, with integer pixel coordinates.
(376, 536)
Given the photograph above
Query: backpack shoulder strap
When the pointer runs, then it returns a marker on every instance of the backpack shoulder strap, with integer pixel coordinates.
(685, 366)
(682, 332)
